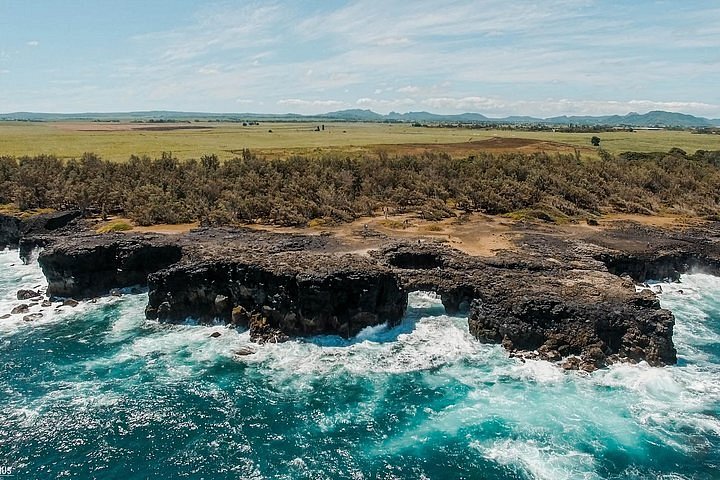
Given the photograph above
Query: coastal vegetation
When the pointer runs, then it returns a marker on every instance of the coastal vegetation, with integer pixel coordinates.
(336, 188)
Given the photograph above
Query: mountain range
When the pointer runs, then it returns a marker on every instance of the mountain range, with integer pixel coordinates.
(656, 118)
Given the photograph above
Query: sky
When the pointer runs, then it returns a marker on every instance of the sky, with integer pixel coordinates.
(495, 57)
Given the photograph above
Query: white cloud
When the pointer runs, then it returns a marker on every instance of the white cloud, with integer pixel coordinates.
(493, 57)
(392, 41)
(385, 105)
(408, 89)
(207, 70)
(33, 43)
(314, 106)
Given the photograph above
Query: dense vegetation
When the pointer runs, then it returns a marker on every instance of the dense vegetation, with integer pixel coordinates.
(297, 190)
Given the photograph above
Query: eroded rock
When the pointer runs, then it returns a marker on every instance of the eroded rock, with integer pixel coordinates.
(22, 308)
(27, 294)
(86, 266)
(280, 296)
(32, 317)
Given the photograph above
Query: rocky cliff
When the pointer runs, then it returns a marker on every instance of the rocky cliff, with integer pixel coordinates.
(571, 300)
(14, 229)
(86, 266)
(280, 296)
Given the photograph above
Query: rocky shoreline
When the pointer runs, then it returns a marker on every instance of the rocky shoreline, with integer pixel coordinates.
(570, 300)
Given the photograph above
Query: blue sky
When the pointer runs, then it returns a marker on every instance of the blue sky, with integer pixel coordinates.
(496, 57)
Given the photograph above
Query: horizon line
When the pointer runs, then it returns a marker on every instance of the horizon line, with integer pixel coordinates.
(190, 112)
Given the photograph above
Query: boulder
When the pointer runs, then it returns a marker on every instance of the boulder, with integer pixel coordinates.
(27, 294)
(32, 317)
(23, 308)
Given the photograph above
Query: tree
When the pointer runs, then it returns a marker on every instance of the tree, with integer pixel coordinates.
(595, 140)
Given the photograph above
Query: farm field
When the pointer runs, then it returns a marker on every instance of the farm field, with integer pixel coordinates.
(116, 141)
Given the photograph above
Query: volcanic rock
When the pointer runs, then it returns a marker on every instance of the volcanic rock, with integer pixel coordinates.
(23, 308)
(27, 294)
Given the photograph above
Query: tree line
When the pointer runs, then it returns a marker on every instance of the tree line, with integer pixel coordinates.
(339, 188)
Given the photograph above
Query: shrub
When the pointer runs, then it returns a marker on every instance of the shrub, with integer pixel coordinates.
(115, 226)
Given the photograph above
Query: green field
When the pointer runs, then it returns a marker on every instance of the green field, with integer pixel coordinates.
(117, 141)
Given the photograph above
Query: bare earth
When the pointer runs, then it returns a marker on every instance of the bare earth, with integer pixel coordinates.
(477, 235)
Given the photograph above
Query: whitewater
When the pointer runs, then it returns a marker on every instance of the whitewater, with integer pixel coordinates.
(98, 391)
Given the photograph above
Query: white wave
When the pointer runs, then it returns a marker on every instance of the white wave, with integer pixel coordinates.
(539, 461)
(546, 411)
(433, 342)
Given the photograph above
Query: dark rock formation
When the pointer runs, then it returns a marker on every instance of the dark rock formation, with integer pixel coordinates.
(22, 308)
(49, 222)
(280, 295)
(651, 254)
(557, 323)
(554, 298)
(90, 265)
(14, 229)
(10, 228)
(27, 294)
(32, 317)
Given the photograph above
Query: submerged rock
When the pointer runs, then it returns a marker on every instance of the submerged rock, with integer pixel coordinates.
(23, 308)
(244, 350)
(32, 317)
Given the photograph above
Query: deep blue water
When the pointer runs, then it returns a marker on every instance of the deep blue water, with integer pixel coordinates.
(99, 392)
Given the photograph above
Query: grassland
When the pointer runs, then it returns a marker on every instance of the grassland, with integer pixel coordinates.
(116, 142)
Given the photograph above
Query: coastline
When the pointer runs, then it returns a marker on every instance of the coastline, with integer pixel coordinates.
(559, 293)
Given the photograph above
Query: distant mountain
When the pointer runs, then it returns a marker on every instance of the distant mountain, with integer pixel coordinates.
(434, 117)
(656, 118)
(355, 115)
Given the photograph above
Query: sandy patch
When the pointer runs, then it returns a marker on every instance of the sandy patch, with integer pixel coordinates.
(166, 228)
(478, 235)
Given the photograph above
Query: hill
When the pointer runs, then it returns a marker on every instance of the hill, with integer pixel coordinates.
(657, 118)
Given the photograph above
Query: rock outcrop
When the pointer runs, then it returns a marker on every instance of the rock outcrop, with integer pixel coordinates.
(280, 295)
(564, 299)
(600, 324)
(10, 228)
(14, 229)
(86, 266)
(543, 307)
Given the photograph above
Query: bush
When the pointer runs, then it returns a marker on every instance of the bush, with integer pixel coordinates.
(337, 188)
(116, 226)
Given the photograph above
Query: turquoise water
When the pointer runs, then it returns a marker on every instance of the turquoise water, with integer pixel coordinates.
(99, 392)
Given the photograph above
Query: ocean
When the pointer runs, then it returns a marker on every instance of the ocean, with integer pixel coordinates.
(97, 391)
